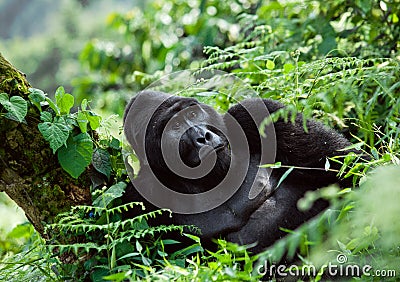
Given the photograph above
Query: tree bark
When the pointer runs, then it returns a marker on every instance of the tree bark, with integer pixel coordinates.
(29, 171)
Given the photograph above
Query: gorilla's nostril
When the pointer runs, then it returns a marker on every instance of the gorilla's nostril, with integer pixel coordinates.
(201, 140)
(208, 136)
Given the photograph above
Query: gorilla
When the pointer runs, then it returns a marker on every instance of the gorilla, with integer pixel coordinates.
(206, 167)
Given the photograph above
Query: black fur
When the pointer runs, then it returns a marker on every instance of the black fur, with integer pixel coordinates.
(239, 219)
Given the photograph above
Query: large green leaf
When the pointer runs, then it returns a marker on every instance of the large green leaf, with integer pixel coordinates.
(37, 96)
(53, 106)
(16, 107)
(64, 100)
(76, 155)
(115, 191)
(55, 133)
(102, 161)
(82, 121)
(46, 117)
(94, 120)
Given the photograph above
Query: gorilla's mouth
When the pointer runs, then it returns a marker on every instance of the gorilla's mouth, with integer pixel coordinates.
(206, 151)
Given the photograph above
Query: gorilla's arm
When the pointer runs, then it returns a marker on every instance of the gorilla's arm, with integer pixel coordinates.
(227, 217)
(233, 214)
(265, 225)
(294, 146)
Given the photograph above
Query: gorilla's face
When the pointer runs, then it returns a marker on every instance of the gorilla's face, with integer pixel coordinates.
(181, 133)
(198, 139)
(188, 132)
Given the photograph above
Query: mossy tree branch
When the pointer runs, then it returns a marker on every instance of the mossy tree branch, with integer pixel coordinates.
(29, 171)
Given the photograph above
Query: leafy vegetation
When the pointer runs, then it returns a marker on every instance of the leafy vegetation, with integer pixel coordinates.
(179, 31)
(74, 149)
(336, 61)
(60, 31)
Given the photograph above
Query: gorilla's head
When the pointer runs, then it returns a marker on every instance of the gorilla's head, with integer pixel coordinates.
(179, 138)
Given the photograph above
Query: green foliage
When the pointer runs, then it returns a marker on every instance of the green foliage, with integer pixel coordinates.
(102, 161)
(85, 117)
(31, 260)
(112, 244)
(335, 61)
(110, 194)
(318, 28)
(332, 89)
(61, 30)
(76, 154)
(358, 95)
(156, 37)
(59, 126)
(11, 242)
(356, 226)
(64, 101)
(230, 263)
(16, 107)
(54, 131)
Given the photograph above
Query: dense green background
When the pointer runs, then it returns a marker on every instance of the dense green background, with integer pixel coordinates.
(336, 61)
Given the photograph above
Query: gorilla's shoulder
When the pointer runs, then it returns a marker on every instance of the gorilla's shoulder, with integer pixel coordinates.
(254, 104)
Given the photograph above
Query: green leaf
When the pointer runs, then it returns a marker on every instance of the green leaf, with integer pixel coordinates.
(3, 98)
(64, 100)
(37, 96)
(270, 65)
(59, 93)
(66, 103)
(53, 106)
(195, 248)
(365, 5)
(341, 246)
(76, 155)
(116, 277)
(287, 68)
(94, 120)
(356, 146)
(139, 247)
(84, 104)
(98, 274)
(46, 117)
(21, 231)
(375, 153)
(283, 177)
(114, 144)
(16, 107)
(395, 18)
(82, 120)
(115, 191)
(170, 242)
(102, 162)
(275, 165)
(146, 261)
(113, 258)
(55, 133)
(132, 162)
(69, 120)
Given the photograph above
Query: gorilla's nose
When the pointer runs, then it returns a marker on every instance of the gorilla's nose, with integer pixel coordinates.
(207, 137)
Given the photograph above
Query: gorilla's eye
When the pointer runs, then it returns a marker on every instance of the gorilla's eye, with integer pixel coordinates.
(192, 115)
(176, 125)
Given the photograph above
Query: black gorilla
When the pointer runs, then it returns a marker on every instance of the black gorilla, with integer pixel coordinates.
(167, 130)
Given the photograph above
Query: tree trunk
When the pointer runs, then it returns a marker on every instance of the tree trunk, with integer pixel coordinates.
(29, 171)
